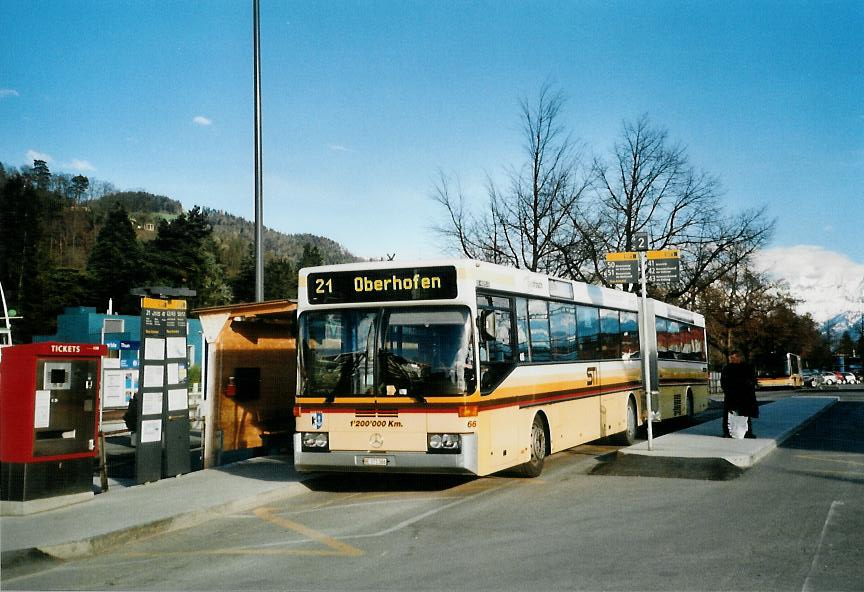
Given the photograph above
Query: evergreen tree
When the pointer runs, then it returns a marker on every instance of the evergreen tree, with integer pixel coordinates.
(280, 279)
(24, 259)
(63, 287)
(41, 174)
(79, 187)
(116, 264)
(183, 255)
(311, 257)
(243, 284)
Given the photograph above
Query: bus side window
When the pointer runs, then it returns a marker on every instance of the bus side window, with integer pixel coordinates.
(500, 347)
(588, 327)
(522, 341)
(610, 334)
(495, 327)
(629, 335)
(676, 349)
(562, 325)
(663, 338)
(538, 326)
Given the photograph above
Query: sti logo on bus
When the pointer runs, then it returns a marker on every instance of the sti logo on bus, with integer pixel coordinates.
(380, 285)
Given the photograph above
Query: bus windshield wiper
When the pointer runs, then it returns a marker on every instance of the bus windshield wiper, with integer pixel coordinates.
(346, 365)
(403, 373)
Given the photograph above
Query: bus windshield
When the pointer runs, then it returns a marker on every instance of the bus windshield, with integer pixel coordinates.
(385, 352)
(774, 365)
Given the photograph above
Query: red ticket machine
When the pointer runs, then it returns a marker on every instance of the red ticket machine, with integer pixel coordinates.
(49, 410)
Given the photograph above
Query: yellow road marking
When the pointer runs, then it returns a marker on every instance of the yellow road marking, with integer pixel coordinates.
(334, 547)
(337, 547)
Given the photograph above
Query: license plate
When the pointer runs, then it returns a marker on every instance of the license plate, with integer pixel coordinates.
(375, 461)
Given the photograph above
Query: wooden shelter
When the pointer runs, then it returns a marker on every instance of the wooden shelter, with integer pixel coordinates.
(249, 378)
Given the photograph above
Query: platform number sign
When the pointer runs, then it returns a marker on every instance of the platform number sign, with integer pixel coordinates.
(640, 241)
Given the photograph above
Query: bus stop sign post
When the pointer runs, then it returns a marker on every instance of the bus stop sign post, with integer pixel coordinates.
(632, 267)
(646, 369)
(640, 240)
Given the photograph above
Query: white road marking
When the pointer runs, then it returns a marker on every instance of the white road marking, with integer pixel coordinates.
(808, 583)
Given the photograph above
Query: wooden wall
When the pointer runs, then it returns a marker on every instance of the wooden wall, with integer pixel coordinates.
(256, 344)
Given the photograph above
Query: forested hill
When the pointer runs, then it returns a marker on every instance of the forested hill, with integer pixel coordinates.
(71, 241)
(138, 202)
(234, 235)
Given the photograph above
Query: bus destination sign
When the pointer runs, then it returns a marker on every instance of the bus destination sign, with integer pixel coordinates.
(381, 285)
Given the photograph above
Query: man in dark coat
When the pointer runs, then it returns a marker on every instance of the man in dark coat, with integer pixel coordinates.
(738, 380)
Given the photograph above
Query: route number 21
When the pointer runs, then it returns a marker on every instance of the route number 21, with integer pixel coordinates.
(321, 284)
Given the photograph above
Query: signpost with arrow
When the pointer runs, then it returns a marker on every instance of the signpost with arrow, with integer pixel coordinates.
(640, 267)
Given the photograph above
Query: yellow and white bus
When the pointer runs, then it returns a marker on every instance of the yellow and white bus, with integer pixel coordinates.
(461, 366)
(778, 370)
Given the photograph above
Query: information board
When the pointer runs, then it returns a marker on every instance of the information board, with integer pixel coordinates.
(163, 418)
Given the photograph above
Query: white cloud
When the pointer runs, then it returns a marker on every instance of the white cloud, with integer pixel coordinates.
(8, 92)
(338, 148)
(79, 165)
(36, 155)
(827, 282)
(202, 121)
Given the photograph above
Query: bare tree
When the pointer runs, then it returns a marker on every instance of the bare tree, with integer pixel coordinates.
(651, 187)
(528, 224)
(734, 304)
(556, 218)
(747, 311)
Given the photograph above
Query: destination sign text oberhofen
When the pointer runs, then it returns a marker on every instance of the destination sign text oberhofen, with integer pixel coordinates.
(364, 284)
(381, 285)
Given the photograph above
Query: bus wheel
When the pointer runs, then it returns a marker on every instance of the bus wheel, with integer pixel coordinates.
(534, 467)
(628, 436)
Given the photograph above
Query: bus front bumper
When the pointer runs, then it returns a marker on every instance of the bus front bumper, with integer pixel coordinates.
(463, 463)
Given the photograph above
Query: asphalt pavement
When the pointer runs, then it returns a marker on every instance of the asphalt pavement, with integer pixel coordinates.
(129, 513)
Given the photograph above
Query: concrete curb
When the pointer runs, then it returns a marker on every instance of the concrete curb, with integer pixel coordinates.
(702, 469)
(699, 452)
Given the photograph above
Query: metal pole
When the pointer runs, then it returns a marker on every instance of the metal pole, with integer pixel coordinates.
(211, 396)
(259, 198)
(646, 362)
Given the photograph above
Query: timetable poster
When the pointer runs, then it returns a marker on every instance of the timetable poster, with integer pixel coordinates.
(163, 395)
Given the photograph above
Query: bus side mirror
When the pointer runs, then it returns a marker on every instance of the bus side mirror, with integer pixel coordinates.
(486, 323)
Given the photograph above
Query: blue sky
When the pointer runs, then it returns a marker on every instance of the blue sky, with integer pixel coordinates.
(363, 102)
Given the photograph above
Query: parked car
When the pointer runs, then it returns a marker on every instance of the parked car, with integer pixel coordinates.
(841, 379)
(811, 378)
(851, 378)
(829, 378)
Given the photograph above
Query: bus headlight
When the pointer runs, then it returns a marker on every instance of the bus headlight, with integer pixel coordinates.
(444, 443)
(316, 442)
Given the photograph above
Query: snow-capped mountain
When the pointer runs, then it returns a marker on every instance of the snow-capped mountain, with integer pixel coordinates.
(829, 284)
(844, 322)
